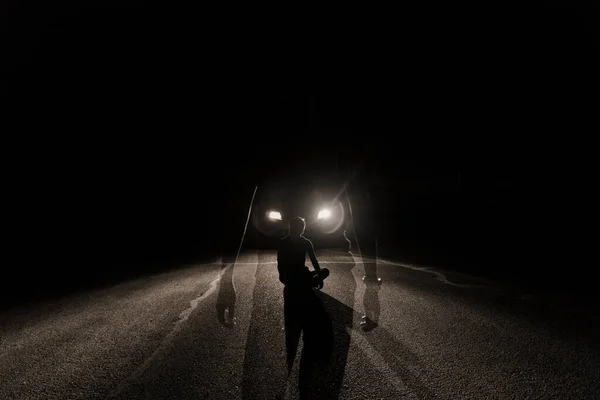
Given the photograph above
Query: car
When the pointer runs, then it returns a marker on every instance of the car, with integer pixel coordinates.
(322, 202)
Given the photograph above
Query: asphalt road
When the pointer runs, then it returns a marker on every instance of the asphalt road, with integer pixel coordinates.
(438, 335)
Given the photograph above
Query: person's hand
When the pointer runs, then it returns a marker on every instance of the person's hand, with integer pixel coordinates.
(226, 314)
(318, 282)
(226, 300)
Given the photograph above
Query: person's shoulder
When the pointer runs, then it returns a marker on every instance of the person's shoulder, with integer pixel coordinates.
(307, 241)
(284, 240)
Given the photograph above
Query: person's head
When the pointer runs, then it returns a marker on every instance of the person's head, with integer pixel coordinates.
(297, 226)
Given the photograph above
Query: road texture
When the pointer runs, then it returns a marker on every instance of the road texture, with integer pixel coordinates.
(210, 331)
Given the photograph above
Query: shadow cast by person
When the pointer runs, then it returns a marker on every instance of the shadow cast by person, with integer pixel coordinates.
(264, 367)
(326, 338)
(325, 349)
(407, 367)
(323, 364)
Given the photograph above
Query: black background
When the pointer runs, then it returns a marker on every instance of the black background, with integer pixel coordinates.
(131, 128)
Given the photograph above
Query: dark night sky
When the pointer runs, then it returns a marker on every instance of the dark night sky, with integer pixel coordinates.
(131, 122)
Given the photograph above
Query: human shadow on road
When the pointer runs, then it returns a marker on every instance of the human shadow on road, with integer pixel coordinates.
(401, 360)
(327, 379)
(324, 380)
(325, 347)
(325, 352)
(408, 369)
(322, 369)
(264, 369)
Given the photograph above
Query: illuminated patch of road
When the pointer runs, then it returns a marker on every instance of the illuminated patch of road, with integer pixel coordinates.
(178, 325)
(440, 276)
(381, 365)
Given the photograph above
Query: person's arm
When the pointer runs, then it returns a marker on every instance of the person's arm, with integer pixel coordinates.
(282, 277)
(312, 256)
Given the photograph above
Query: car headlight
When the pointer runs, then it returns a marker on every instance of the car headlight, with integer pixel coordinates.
(324, 214)
(330, 217)
(274, 215)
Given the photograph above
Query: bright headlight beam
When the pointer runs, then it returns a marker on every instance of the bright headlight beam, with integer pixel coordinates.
(324, 214)
(274, 215)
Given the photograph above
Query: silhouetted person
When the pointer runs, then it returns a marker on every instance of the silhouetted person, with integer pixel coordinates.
(372, 282)
(304, 313)
(364, 227)
(226, 297)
